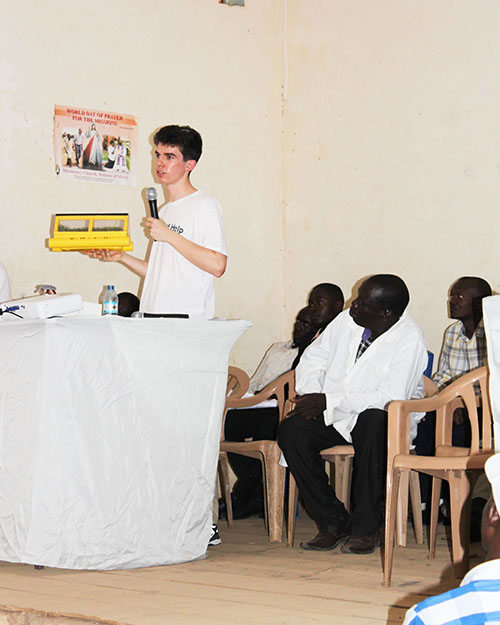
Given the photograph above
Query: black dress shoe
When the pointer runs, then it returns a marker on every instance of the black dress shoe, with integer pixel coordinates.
(362, 544)
(242, 509)
(326, 540)
(253, 507)
(236, 504)
(222, 508)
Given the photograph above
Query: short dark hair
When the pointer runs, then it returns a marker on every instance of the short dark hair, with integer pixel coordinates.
(480, 286)
(187, 139)
(128, 303)
(392, 293)
(332, 291)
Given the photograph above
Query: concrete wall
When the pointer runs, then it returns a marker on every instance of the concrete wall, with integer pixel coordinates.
(392, 143)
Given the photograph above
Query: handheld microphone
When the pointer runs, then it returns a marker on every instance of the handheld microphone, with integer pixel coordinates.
(151, 195)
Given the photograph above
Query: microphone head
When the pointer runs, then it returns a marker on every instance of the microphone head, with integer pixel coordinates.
(151, 193)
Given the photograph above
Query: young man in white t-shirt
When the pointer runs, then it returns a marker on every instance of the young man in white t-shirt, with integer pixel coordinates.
(189, 249)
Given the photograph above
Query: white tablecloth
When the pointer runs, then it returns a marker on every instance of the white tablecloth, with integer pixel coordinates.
(491, 312)
(109, 439)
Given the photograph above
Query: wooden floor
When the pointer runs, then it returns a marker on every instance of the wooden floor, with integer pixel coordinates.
(245, 580)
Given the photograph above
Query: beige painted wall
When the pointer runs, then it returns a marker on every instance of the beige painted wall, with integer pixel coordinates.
(215, 67)
(381, 156)
(393, 147)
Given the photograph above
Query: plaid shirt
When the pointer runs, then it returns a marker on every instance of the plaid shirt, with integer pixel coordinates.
(460, 354)
(476, 601)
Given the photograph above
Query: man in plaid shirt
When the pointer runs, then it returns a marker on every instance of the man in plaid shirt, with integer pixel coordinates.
(464, 344)
(464, 349)
(477, 600)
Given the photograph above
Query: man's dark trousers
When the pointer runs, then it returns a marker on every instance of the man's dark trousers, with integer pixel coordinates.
(301, 440)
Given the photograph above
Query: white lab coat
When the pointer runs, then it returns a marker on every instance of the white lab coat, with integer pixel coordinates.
(391, 368)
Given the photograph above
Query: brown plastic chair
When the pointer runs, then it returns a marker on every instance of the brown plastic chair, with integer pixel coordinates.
(458, 465)
(341, 457)
(410, 483)
(237, 382)
(237, 385)
(266, 451)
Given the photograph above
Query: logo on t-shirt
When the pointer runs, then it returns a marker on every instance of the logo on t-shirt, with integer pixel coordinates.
(178, 229)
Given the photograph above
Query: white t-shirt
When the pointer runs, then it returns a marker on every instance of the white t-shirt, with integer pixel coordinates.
(172, 283)
(4, 285)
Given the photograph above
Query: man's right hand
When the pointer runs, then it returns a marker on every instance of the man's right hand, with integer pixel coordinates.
(309, 406)
(107, 256)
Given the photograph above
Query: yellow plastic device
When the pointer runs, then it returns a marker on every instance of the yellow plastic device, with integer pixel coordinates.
(78, 231)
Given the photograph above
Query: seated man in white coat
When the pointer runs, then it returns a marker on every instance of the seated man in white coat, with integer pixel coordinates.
(367, 356)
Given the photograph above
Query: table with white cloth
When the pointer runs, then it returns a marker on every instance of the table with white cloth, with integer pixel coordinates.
(109, 439)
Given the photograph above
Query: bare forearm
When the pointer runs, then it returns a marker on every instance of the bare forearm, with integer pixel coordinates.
(210, 261)
(202, 257)
(137, 265)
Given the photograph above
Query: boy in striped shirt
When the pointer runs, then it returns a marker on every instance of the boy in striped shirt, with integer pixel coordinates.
(477, 600)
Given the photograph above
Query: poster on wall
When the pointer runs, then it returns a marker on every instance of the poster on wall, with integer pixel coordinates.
(95, 146)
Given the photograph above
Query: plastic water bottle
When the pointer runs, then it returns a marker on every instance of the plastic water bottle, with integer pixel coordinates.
(110, 301)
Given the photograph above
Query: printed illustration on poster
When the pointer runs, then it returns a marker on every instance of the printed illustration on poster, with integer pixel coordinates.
(95, 146)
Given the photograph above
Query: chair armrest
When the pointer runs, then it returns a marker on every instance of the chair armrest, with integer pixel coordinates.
(273, 388)
(398, 426)
(442, 403)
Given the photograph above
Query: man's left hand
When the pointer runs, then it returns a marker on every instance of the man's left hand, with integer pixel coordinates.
(309, 406)
(157, 229)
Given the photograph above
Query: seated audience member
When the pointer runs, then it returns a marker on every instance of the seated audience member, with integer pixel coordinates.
(261, 423)
(368, 356)
(464, 349)
(326, 301)
(4, 285)
(464, 342)
(477, 600)
(128, 303)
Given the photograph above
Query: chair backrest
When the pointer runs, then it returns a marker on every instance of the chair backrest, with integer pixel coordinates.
(285, 391)
(281, 388)
(465, 389)
(237, 385)
(237, 382)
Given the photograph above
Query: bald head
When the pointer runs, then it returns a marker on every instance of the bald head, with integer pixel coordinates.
(477, 286)
(381, 301)
(390, 291)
